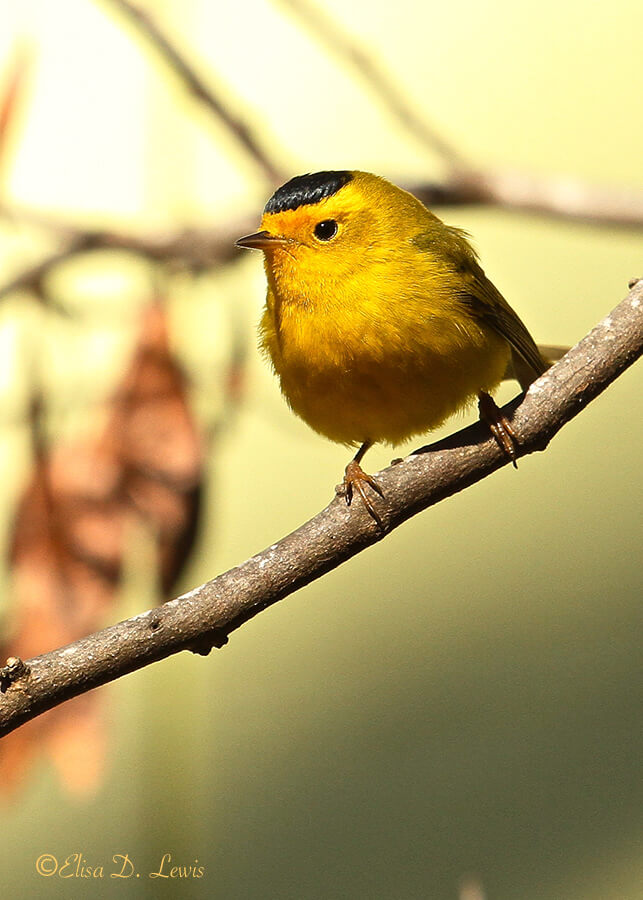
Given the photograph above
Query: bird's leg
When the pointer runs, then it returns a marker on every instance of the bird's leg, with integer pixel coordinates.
(355, 479)
(499, 425)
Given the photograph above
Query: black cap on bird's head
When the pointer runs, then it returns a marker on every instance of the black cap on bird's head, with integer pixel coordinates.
(303, 190)
(306, 189)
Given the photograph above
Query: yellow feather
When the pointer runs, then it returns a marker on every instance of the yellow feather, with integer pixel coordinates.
(379, 323)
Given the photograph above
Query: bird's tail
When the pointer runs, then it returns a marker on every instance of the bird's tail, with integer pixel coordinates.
(520, 370)
(552, 353)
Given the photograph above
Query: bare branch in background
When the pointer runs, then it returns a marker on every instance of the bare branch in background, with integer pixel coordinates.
(31, 278)
(192, 248)
(205, 616)
(201, 248)
(326, 30)
(195, 84)
(558, 196)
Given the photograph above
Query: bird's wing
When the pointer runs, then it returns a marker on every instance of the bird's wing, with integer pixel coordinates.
(484, 302)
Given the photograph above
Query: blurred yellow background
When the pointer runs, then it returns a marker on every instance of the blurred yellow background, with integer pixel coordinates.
(464, 698)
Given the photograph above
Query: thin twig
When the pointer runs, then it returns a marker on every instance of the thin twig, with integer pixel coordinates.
(559, 196)
(192, 248)
(204, 93)
(205, 616)
(350, 50)
(31, 278)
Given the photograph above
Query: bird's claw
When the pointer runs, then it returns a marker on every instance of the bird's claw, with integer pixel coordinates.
(355, 479)
(499, 425)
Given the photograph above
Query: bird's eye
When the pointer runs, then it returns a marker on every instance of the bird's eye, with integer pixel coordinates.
(326, 230)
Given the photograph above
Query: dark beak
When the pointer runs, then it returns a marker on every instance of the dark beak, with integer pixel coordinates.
(262, 240)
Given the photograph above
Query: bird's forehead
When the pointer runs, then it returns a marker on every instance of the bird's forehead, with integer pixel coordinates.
(294, 220)
(342, 206)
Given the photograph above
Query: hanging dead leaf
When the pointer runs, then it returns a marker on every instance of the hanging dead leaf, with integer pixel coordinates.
(71, 536)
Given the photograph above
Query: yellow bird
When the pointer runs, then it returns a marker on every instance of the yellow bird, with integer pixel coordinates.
(379, 321)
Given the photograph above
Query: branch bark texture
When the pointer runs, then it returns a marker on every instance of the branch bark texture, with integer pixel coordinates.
(205, 616)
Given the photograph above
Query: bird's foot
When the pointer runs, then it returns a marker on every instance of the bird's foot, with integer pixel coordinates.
(356, 479)
(499, 425)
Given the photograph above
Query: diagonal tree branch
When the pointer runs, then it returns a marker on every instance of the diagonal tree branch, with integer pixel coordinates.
(347, 48)
(202, 92)
(205, 616)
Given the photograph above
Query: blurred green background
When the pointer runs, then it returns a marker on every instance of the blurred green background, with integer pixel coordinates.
(462, 700)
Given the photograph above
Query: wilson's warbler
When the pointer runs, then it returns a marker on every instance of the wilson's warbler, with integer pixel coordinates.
(379, 321)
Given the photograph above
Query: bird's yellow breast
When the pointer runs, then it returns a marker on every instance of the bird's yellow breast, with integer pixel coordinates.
(376, 355)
